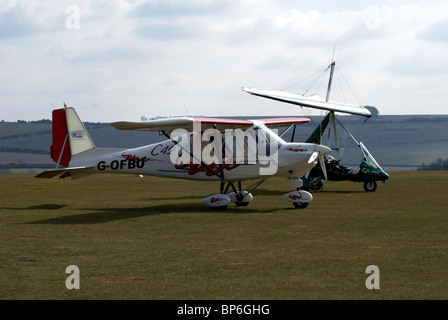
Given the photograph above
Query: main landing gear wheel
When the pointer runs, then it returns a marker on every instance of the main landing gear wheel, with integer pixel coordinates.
(241, 198)
(370, 186)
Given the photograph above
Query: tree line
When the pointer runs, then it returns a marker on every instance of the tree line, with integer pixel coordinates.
(440, 164)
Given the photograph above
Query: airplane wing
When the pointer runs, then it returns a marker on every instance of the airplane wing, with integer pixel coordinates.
(311, 102)
(281, 122)
(170, 124)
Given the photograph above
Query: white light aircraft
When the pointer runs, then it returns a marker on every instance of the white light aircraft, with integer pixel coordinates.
(224, 150)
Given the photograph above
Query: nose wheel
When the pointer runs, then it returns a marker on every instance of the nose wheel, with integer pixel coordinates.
(300, 205)
(300, 198)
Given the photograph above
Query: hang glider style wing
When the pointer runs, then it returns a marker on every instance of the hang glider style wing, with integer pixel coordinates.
(311, 101)
(170, 124)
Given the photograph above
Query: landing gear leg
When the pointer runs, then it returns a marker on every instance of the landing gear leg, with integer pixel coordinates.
(239, 196)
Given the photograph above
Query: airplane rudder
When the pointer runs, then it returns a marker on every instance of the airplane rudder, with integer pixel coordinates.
(60, 149)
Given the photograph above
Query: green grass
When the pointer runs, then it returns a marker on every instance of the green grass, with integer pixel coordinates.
(152, 238)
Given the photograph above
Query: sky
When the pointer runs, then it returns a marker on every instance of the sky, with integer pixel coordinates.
(117, 60)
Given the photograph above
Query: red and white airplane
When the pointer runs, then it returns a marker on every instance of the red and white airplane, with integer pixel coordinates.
(224, 150)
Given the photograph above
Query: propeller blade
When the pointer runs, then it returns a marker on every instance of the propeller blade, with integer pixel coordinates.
(313, 157)
(322, 165)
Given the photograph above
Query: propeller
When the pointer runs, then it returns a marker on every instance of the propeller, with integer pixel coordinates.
(322, 165)
(313, 157)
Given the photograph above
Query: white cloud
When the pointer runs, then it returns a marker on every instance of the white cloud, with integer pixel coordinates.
(133, 58)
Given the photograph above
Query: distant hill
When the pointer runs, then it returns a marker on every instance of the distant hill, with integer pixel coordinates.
(393, 140)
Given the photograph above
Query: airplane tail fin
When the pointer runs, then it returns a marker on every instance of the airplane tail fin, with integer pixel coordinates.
(70, 137)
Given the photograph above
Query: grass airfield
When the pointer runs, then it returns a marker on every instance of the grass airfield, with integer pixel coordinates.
(152, 238)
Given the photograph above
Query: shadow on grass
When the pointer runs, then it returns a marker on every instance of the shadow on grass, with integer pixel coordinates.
(47, 207)
(265, 192)
(39, 207)
(170, 198)
(340, 191)
(102, 215)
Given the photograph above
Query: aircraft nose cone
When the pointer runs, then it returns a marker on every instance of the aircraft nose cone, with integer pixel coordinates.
(323, 150)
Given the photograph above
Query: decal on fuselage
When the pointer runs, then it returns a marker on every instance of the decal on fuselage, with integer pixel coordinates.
(297, 149)
(121, 164)
(209, 170)
(128, 156)
(161, 149)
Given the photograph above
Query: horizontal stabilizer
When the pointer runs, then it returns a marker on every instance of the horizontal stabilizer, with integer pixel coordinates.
(75, 173)
(311, 101)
